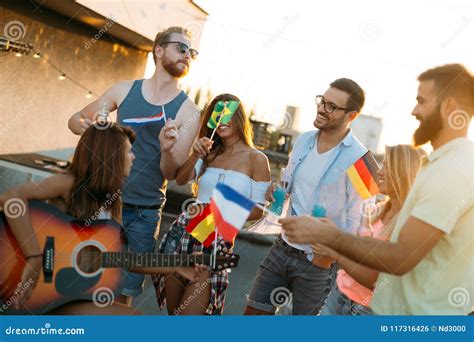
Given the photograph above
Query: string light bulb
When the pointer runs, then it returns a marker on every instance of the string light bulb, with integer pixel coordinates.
(37, 55)
(89, 95)
(62, 77)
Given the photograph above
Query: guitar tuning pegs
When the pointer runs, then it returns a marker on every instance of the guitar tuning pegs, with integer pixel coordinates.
(219, 267)
(231, 264)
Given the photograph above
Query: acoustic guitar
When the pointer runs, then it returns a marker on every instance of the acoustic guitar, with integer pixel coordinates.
(80, 262)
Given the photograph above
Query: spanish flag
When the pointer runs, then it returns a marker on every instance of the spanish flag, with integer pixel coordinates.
(363, 176)
(202, 226)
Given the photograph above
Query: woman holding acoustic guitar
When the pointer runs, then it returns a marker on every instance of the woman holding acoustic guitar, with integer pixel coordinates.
(101, 162)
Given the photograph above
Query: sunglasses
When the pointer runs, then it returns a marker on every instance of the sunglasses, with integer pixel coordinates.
(183, 48)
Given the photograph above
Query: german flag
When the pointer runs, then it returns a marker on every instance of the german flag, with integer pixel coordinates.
(363, 176)
(202, 226)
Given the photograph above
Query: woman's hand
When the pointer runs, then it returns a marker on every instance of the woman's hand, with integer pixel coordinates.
(29, 278)
(269, 194)
(202, 147)
(191, 273)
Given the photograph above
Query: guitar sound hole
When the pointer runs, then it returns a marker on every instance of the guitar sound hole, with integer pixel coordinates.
(88, 259)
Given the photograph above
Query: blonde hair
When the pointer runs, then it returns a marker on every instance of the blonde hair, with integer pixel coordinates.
(402, 163)
(163, 36)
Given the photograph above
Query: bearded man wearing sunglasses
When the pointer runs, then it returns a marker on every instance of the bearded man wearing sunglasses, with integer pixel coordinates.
(158, 111)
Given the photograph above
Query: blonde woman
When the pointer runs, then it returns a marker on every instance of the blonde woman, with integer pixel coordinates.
(354, 287)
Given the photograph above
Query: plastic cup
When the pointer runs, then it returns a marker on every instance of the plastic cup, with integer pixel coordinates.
(277, 205)
(319, 211)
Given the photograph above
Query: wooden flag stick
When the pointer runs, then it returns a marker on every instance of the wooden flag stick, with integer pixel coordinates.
(265, 210)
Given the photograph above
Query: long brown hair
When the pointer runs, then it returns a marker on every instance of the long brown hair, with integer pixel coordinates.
(240, 121)
(98, 169)
(402, 163)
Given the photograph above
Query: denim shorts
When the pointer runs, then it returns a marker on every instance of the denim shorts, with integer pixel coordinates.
(139, 228)
(286, 275)
(338, 304)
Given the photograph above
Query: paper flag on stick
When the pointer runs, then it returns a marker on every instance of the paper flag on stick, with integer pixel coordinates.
(224, 109)
(363, 176)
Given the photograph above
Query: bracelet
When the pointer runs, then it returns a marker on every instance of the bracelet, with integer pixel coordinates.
(33, 256)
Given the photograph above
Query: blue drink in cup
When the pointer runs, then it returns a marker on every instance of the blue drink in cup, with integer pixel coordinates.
(280, 195)
(319, 211)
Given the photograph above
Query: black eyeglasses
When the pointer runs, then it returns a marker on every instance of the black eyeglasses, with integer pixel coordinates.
(329, 107)
(183, 48)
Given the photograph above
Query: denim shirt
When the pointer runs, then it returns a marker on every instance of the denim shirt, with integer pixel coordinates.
(341, 200)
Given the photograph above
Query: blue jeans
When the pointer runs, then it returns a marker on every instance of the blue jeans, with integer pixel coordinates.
(140, 226)
(338, 304)
(286, 275)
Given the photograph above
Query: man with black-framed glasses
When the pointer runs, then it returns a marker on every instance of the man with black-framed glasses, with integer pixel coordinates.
(317, 186)
(165, 122)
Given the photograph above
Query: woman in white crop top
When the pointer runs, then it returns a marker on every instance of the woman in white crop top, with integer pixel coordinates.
(231, 159)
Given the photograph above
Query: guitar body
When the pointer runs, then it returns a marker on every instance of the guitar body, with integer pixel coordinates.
(71, 261)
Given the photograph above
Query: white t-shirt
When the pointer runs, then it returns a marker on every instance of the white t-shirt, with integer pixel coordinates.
(305, 181)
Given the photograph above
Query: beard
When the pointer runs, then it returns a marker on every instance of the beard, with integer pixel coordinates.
(173, 69)
(329, 124)
(429, 128)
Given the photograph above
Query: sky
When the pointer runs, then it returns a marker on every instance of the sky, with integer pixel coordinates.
(277, 53)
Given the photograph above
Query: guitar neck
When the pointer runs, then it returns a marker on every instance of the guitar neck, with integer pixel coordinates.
(133, 260)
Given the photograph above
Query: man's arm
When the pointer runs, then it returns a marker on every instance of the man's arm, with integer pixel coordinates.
(362, 274)
(175, 150)
(81, 120)
(416, 239)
